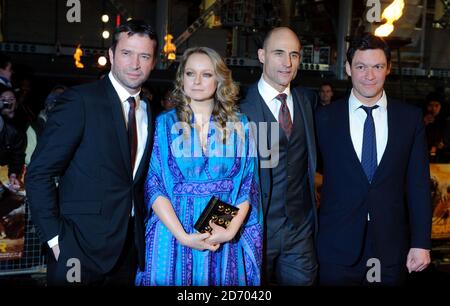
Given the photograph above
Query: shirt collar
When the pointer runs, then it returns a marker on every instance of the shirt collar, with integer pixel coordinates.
(121, 91)
(268, 92)
(354, 103)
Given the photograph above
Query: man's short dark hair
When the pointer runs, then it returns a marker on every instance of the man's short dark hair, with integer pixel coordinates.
(368, 41)
(4, 88)
(326, 83)
(435, 96)
(4, 60)
(132, 27)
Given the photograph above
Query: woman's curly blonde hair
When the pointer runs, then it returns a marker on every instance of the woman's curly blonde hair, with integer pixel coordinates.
(225, 97)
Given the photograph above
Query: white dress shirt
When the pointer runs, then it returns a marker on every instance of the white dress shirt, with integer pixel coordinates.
(141, 123)
(357, 118)
(268, 93)
(141, 117)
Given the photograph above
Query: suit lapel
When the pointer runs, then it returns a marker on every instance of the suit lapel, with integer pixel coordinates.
(255, 102)
(144, 159)
(119, 123)
(392, 120)
(343, 125)
(307, 116)
(258, 108)
(255, 108)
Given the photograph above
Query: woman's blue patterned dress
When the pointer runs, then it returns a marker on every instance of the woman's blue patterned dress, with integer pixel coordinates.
(181, 172)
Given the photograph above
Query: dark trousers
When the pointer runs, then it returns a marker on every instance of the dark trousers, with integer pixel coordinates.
(290, 256)
(122, 274)
(359, 274)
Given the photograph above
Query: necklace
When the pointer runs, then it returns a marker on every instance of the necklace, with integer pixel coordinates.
(202, 127)
(203, 133)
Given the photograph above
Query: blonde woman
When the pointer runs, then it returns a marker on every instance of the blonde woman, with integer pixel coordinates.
(202, 148)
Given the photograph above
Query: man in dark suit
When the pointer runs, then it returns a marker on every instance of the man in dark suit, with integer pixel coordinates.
(326, 93)
(97, 141)
(375, 210)
(286, 148)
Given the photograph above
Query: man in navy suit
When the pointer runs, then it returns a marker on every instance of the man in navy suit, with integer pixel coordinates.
(375, 211)
(97, 140)
(286, 148)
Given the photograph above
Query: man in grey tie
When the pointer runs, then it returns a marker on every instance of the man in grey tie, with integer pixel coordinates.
(375, 210)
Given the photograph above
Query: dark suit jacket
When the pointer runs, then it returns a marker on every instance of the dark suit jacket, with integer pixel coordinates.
(12, 148)
(398, 200)
(85, 143)
(252, 106)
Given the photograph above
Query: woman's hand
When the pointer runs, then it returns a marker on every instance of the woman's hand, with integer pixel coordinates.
(198, 241)
(219, 234)
(164, 210)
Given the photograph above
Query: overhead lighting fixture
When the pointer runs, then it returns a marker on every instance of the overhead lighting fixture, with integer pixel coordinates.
(102, 60)
(391, 14)
(105, 34)
(77, 56)
(105, 18)
(169, 48)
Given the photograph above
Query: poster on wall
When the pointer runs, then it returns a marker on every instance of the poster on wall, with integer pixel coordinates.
(12, 222)
(440, 197)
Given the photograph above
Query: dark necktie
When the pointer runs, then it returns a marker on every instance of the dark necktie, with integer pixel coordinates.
(369, 145)
(132, 131)
(284, 116)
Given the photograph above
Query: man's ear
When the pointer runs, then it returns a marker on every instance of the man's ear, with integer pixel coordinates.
(261, 55)
(348, 69)
(154, 63)
(389, 68)
(155, 57)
